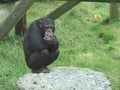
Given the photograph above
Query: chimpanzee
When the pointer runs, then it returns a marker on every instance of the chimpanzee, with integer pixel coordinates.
(40, 45)
(7, 1)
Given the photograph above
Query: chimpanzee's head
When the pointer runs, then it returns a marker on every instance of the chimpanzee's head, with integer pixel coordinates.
(47, 27)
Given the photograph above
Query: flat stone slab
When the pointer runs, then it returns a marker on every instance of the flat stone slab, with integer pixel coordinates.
(65, 78)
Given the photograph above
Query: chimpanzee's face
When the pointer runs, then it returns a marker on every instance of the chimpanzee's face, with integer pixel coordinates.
(47, 26)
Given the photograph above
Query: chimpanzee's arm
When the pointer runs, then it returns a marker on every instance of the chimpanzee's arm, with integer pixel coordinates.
(55, 45)
(52, 41)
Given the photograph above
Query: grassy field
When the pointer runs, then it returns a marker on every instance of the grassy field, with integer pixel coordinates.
(85, 42)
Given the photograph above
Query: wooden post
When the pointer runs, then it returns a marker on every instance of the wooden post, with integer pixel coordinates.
(114, 11)
(15, 16)
(4, 13)
(21, 26)
(62, 9)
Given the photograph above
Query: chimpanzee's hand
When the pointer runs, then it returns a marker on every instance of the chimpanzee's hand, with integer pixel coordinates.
(50, 40)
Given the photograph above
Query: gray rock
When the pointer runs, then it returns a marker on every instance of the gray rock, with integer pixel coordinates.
(65, 78)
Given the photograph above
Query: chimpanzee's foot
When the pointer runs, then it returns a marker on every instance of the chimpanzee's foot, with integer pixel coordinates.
(42, 70)
(45, 70)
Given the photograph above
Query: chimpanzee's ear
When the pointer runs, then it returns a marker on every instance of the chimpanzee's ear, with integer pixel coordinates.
(40, 23)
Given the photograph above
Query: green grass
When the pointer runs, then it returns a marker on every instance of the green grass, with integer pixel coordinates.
(84, 42)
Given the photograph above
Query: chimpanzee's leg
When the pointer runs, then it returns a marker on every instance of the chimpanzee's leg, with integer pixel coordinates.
(37, 61)
(52, 57)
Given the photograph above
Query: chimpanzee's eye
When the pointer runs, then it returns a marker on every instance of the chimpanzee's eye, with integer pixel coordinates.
(48, 27)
